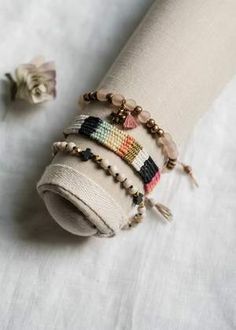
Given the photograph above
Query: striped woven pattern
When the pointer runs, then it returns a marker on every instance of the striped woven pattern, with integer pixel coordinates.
(119, 142)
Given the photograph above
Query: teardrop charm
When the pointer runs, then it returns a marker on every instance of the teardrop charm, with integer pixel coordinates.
(130, 122)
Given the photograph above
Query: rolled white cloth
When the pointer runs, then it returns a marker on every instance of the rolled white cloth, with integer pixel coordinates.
(174, 65)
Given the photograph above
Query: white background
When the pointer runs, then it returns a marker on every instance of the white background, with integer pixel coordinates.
(168, 277)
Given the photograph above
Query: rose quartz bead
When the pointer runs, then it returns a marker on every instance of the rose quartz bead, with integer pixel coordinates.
(144, 116)
(164, 139)
(171, 150)
(169, 147)
(130, 104)
(117, 99)
(102, 95)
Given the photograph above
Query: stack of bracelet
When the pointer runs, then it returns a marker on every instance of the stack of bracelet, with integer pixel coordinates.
(130, 115)
(85, 155)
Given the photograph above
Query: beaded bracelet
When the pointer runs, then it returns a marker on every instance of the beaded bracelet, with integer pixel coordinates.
(130, 115)
(119, 142)
(137, 197)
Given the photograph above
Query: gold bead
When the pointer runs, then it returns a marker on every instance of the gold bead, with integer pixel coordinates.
(138, 110)
(86, 97)
(150, 123)
(160, 132)
(154, 129)
(171, 163)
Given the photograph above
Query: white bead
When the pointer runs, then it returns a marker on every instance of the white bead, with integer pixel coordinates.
(70, 146)
(127, 183)
(63, 145)
(133, 190)
(113, 170)
(130, 104)
(117, 100)
(101, 95)
(104, 164)
(120, 177)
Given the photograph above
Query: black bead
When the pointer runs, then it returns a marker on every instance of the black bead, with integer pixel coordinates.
(109, 97)
(93, 96)
(138, 198)
(86, 154)
(86, 97)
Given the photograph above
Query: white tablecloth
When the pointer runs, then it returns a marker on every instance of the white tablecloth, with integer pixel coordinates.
(168, 277)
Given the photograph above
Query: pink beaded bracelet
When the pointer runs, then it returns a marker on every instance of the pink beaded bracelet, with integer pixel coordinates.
(129, 115)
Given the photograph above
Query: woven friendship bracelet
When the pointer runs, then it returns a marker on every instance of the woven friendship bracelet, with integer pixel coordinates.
(120, 143)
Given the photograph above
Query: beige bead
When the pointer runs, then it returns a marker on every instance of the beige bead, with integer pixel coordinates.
(117, 100)
(113, 170)
(127, 184)
(105, 163)
(63, 145)
(101, 95)
(130, 104)
(133, 190)
(120, 177)
(70, 146)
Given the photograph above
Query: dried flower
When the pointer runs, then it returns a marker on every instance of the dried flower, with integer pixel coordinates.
(34, 82)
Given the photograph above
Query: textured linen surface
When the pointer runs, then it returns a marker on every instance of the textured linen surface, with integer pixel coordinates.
(178, 276)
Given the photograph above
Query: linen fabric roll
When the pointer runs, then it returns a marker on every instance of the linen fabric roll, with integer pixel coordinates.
(174, 65)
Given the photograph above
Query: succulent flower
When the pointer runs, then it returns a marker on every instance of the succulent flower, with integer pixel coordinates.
(34, 82)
